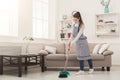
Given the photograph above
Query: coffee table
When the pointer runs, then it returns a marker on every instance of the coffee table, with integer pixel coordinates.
(20, 62)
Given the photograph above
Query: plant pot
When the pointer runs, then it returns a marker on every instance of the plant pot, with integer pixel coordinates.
(106, 9)
(112, 30)
(62, 35)
(69, 34)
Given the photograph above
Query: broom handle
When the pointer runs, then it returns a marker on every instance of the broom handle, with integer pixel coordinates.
(67, 56)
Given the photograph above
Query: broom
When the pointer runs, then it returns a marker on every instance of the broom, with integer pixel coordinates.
(65, 73)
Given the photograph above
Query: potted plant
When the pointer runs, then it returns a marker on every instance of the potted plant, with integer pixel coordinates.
(28, 40)
(106, 4)
(113, 30)
(62, 35)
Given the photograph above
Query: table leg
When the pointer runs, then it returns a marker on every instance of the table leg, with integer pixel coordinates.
(10, 60)
(19, 66)
(36, 59)
(26, 64)
(42, 63)
(1, 65)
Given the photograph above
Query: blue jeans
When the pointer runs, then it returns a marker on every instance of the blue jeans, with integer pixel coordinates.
(82, 64)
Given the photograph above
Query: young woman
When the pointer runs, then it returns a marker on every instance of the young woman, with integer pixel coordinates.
(80, 41)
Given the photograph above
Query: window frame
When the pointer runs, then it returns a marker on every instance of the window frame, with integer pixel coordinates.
(42, 19)
(12, 19)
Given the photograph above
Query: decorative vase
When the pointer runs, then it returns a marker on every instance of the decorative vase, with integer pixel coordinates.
(69, 34)
(27, 47)
(27, 40)
(113, 30)
(106, 9)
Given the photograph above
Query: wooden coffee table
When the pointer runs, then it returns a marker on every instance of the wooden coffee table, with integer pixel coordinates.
(20, 62)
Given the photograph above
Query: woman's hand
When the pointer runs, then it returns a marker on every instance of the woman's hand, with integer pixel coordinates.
(71, 45)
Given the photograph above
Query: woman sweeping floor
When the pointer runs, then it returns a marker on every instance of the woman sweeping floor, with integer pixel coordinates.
(81, 44)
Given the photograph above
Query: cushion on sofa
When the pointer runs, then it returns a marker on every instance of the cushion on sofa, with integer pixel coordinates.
(105, 53)
(50, 49)
(103, 48)
(91, 46)
(43, 52)
(72, 50)
(10, 50)
(97, 57)
(94, 57)
(55, 57)
(34, 48)
(96, 48)
(60, 47)
(72, 57)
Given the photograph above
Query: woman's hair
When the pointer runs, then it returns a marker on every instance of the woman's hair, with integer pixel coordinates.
(77, 15)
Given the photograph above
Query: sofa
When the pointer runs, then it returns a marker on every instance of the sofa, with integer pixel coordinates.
(57, 60)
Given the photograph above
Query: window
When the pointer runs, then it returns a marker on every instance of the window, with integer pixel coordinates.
(40, 19)
(9, 17)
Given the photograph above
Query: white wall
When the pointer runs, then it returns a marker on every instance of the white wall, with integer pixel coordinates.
(88, 9)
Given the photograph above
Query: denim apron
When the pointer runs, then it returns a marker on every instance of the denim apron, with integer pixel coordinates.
(82, 49)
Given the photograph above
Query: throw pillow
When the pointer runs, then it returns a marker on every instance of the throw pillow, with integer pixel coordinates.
(43, 52)
(50, 49)
(96, 48)
(103, 48)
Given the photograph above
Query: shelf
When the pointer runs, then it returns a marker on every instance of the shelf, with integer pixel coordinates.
(65, 38)
(106, 34)
(106, 24)
(66, 29)
(106, 14)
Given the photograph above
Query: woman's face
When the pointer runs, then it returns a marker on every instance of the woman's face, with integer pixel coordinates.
(75, 20)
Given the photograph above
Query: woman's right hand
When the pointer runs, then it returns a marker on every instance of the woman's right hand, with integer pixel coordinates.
(70, 45)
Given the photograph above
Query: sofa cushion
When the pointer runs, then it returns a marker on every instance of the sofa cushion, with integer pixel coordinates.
(94, 57)
(91, 46)
(50, 50)
(72, 50)
(43, 52)
(34, 48)
(97, 57)
(60, 47)
(72, 57)
(97, 48)
(10, 50)
(105, 53)
(55, 57)
(103, 48)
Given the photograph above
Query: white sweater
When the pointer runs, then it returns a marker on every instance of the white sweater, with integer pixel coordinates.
(74, 39)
